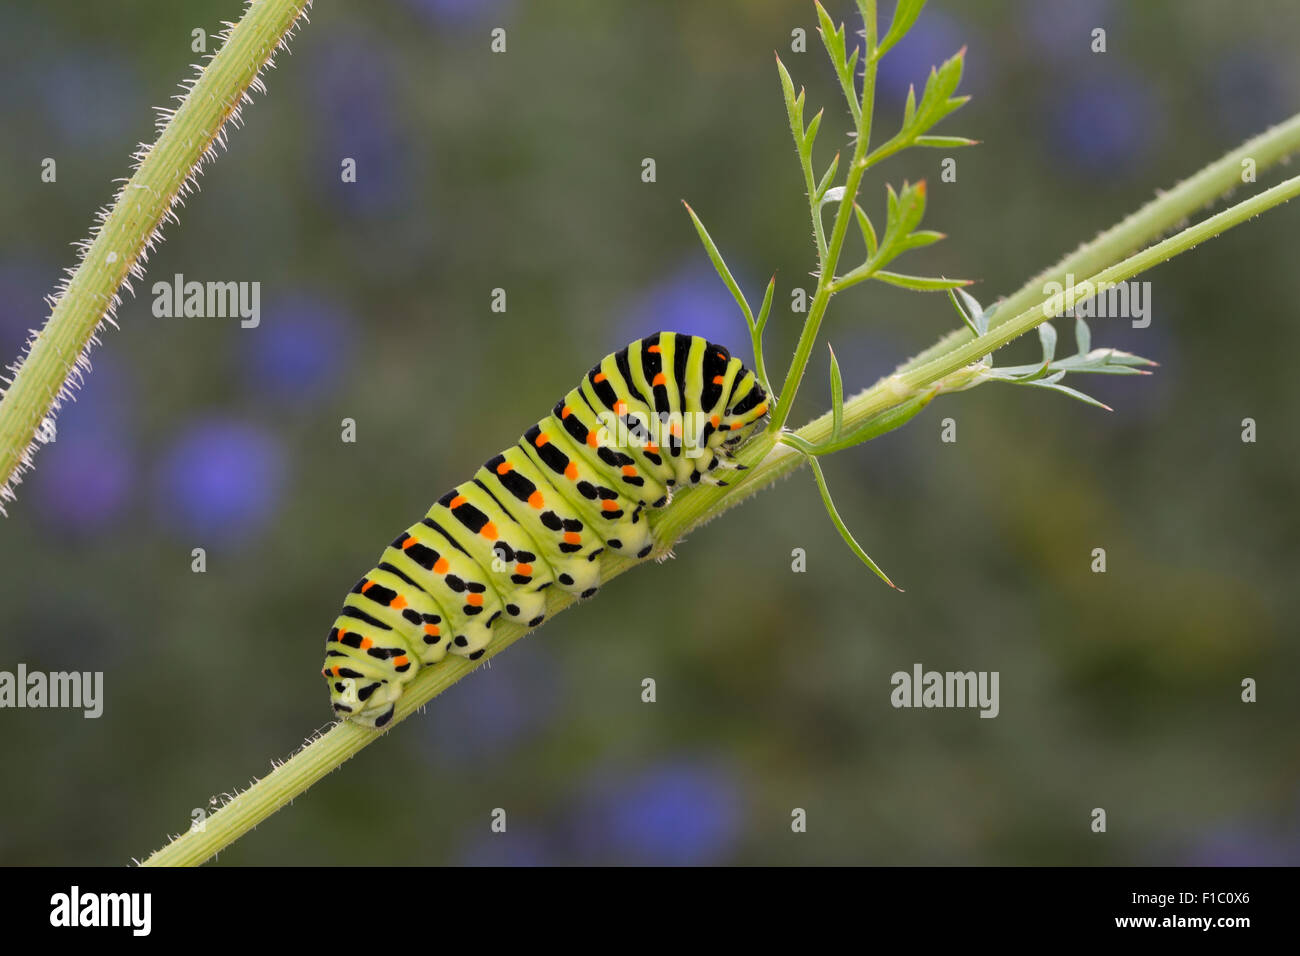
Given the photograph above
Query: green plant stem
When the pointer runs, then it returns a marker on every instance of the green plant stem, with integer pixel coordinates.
(121, 242)
(1148, 223)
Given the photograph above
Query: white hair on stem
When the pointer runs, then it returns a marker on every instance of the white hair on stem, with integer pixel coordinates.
(167, 187)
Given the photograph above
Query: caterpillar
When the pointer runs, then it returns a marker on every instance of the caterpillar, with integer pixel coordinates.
(667, 411)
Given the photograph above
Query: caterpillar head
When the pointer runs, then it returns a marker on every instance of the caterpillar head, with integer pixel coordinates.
(364, 679)
(366, 698)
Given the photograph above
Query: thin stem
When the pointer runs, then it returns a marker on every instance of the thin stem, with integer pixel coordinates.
(121, 242)
(830, 261)
(1154, 219)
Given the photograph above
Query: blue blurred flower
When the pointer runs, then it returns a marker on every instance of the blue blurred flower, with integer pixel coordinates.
(220, 481)
(1062, 29)
(515, 847)
(1248, 89)
(23, 285)
(1104, 125)
(84, 477)
(460, 12)
(508, 701)
(679, 813)
(89, 95)
(298, 350)
(1245, 845)
(933, 38)
(356, 101)
(693, 300)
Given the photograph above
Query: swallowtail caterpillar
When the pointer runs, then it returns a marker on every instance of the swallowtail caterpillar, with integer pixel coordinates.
(669, 410)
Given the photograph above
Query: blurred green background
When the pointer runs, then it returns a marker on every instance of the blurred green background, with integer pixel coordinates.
(522, 171)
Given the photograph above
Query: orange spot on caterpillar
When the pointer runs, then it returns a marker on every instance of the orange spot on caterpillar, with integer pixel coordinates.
(571, 471)
(489, 531)
(457, 501)
(620, 408)
(629, 470)
(505, 468)
(720, 355)
(718, 379)
(431, 630)
(536, 499)
(523, 569)
(591, 438)
(397, 603)
(566, 411)
(367, 643)
(675, 430)
(572, 537)
(335, 670)
(475, 600)
(440, 566)
(401, 661)
(609, 505)
(652, 448)
(598, 377)
(367, 586)
(715, 421)
(342, 632)
(654, 349)
(410, 542)
(541, 439)
(659, 379)
(761, 410)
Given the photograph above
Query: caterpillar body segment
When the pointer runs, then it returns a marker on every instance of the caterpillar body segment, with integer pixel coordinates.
(667, 411)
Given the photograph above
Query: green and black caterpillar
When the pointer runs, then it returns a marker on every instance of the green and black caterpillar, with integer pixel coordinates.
(668, 410)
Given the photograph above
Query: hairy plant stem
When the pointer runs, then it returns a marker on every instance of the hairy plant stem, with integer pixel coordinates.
(126, 233)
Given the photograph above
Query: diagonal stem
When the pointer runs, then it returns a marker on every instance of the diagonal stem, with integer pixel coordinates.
(120, 243)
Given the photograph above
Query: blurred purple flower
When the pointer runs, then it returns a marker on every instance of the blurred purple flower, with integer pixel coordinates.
(221, 480)
(83, 484)
(933, 38)
(1059, 29)
(1103, 126)
(84, 477)
(1245, 845)
(355, 104)
(680, 813)
(88, 95)
(23, 285)
(693, 300)
(298, 350)
(509, 701)
(512, 848)
(1248, 89)
(459, 12)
